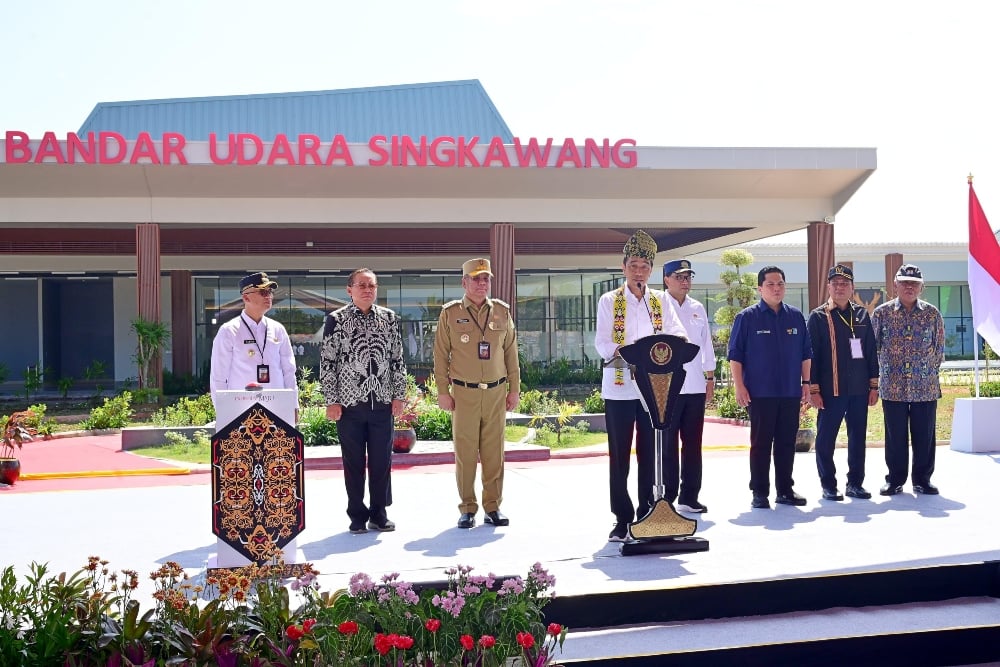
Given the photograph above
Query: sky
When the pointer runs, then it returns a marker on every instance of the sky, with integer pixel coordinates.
(915, 79)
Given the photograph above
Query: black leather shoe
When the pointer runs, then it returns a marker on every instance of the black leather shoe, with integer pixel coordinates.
(857, 492)
(832, 494)
(926, 488)
(467, 520)
(760, 502)
(790, 498)
(890, 489)
(496, 518)
(385, 526)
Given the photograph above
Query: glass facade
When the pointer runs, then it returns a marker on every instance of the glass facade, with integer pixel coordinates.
(556, 315)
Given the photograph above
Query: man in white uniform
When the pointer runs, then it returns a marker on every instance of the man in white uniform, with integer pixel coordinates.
(252, 348)
(687, 423)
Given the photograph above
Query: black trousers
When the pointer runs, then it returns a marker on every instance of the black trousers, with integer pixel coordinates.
(365, 431)
(625, 418)
(687, 422)
(773, 425)
(835, 409)
(906, 422)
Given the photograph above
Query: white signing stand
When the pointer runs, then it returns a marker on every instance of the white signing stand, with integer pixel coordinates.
(975, 425)
(230, 404)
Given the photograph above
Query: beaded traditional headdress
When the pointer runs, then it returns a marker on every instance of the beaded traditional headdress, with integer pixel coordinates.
(641, 245)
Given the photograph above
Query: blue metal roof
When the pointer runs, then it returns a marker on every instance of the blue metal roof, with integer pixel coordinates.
(448, 108)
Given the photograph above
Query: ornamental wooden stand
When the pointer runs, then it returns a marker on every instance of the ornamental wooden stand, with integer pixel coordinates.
(657, 366)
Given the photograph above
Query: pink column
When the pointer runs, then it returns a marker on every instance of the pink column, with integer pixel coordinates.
(502, 259)
(147, 255)
(820, 258)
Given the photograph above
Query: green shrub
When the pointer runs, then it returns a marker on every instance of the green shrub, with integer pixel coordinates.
(44, 426)
(986, 389)
(594, 404)
(310, 391)
(316, 429)
(186, 412)
(198, 440)
(433, 424)
(725, 401)
(535, 402)
(115, 412)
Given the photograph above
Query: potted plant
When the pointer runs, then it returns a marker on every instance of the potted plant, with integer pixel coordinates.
(16, 431)
(404, 434)
(805, 438)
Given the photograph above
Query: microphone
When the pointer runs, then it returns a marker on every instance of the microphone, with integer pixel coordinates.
(638, 284)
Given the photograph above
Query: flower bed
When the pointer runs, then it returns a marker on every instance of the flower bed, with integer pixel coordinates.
(245, 617)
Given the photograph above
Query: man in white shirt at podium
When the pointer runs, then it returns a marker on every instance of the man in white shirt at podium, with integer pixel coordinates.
(252, 348)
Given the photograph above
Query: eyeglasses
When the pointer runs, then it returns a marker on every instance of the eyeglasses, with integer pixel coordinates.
(682, 277)
(365, 286)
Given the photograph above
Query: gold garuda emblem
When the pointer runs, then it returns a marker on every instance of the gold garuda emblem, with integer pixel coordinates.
(661, 353)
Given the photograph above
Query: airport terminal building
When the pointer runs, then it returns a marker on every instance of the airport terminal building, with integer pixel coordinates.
(156, 208)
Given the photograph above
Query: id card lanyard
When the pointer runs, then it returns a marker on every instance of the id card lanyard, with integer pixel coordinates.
(263, 371)
(484, 345)
(856, 352)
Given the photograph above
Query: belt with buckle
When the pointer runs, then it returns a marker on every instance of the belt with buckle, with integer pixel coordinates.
(480, 385)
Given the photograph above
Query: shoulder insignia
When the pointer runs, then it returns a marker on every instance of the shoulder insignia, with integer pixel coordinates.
(452, 304)
(502, 303)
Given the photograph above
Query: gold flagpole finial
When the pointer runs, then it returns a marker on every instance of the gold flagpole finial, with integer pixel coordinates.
(970, 178)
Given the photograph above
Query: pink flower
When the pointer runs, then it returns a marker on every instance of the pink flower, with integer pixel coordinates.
(525, 639)
(555, 629)
(487, 641)
(432, 624)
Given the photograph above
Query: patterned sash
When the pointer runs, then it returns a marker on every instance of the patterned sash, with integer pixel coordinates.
(618, 334)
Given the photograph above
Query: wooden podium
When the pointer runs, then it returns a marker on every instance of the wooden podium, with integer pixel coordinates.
(258, 493)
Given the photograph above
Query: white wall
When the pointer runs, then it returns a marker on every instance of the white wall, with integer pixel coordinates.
(126, 309)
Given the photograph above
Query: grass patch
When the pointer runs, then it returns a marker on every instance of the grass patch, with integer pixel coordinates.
(192, 453)
(180, 448)
(945, 414)
(515, 433)
(570, 438)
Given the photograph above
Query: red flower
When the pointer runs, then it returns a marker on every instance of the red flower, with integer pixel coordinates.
(487, 641)
(467, 642)
(432, 624)
(402, 642)
(348, 628)
(308, 624)
(555, 629)
(383, 644)
(525, 639)
(294, 632)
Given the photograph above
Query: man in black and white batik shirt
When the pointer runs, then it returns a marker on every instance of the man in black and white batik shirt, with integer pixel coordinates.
(364, 383)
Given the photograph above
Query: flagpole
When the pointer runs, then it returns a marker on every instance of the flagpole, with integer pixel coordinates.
(975, 334)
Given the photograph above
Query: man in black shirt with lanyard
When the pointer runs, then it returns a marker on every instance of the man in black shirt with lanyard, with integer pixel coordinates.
(843, 381)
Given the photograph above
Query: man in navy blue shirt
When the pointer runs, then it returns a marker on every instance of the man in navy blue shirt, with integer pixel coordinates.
(770, 356)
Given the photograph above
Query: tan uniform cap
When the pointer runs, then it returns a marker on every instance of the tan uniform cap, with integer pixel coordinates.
(476, 266)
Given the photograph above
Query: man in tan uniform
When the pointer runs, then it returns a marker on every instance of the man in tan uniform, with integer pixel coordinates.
(478, 380)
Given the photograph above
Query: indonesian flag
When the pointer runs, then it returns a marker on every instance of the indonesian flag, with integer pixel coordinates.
(984, 274)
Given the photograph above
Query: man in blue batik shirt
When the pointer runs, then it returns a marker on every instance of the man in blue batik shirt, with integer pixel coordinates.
(770, 357)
